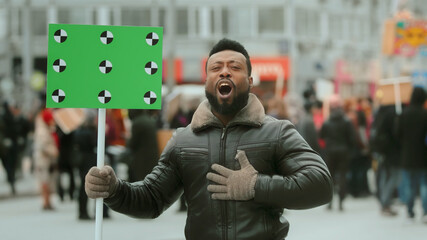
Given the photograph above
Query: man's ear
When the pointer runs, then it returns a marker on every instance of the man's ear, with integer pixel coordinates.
(251, 82)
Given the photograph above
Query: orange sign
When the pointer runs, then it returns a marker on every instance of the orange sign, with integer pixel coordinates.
(385, 93)
(178, 72)
(411, 37)
(69, 119)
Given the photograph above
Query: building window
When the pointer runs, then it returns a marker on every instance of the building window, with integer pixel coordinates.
(218, 20)
(307, 22)
(271, 20)
(15, 22)
(136, 17)
(75, 16)
(301, 22)
(365, 30)
(163, 19)
(313, 23)
(3, 23)
(355, 29)
(336, 27)
(39, 22)
(64, 16)
(239, 22)
(225, 20)
(182, 21)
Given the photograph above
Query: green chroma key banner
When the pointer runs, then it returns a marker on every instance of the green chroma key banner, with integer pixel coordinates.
(95, 66)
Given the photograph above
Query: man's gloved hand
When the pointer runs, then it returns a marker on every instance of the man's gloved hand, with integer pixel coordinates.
(101, 183)
(233, 185)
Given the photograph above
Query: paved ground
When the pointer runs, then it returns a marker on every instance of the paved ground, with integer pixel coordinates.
(22, 218)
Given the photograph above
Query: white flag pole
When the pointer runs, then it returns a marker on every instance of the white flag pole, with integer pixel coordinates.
(100, 153)
(398, 100)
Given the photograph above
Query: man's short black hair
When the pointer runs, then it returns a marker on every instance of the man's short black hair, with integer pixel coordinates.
(227, 44)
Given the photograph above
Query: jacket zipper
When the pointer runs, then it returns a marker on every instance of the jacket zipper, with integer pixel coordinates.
(223, 203)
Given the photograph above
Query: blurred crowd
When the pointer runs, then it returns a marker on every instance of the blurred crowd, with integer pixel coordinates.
(370, 149)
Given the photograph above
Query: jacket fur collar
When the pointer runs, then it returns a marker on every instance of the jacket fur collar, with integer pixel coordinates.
(252, 115)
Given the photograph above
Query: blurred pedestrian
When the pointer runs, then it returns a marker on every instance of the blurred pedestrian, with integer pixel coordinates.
(237, 167)
(413, 136)
(65, 164)
(9, 146)
(142, 145)
(294, 107)
(22, 127)
(181, 119)
(306, 127)
(318, 119)
(359, 160)
(339, 135)
(115, 135)
(276, 108)
(385, 146)
(3, 146)
(85, 145)
(46, 144)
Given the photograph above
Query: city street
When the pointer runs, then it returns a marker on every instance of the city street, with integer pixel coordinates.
(21, 217)
(299, 87)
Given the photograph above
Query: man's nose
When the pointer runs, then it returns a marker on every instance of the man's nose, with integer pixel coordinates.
(225, 73)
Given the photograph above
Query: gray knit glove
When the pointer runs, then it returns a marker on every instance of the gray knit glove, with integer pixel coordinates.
(233, 185)
(101, 183)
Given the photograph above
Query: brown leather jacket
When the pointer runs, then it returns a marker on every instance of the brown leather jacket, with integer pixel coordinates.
(291, 175)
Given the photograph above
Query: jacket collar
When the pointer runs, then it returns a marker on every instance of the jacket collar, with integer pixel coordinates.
(252, 115)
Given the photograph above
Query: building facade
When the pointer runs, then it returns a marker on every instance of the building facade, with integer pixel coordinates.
(335, 40)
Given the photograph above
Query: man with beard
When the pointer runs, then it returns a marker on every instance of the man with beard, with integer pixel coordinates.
(237, 167)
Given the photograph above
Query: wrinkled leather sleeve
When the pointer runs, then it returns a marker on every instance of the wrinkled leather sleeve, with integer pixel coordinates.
(303, 180)
(158, 191)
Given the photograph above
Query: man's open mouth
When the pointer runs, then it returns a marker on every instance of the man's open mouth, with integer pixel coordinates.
(225, 88)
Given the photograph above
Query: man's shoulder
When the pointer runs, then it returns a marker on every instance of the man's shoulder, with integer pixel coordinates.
(270, 121)
(183, 132)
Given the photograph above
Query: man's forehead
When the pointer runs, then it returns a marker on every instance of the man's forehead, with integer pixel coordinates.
(226, 56)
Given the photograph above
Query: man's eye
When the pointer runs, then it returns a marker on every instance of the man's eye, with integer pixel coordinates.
(215, 68)
(235, 67)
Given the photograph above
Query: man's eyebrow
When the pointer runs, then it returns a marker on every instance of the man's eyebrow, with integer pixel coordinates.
(230, 61)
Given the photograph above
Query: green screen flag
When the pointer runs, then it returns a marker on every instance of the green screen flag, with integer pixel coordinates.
(96, 66)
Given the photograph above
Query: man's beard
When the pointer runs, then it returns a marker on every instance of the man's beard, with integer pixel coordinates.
(237, 104)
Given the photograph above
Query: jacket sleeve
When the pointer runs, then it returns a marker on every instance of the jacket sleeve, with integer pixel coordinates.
(303, 180)
(150, 197)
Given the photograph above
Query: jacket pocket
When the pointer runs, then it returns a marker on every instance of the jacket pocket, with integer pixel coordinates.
(260, 156)
(276, 225)
(193, 154)
(194, 164)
